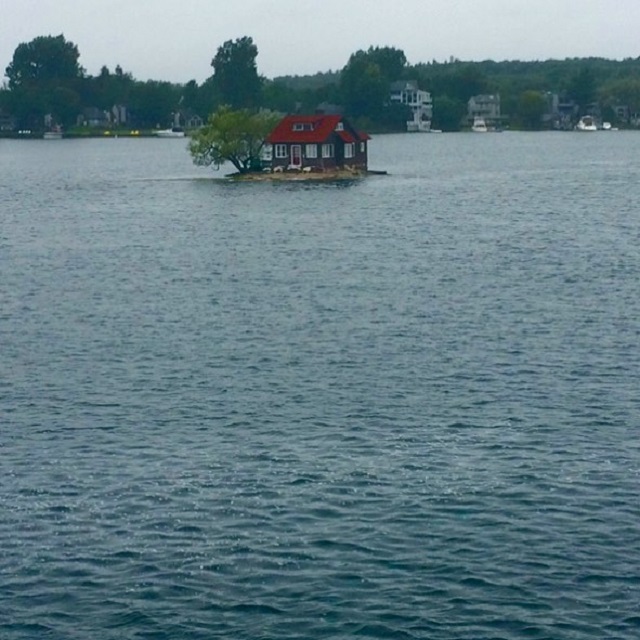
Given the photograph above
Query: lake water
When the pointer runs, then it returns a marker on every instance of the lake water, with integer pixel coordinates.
(404, 407)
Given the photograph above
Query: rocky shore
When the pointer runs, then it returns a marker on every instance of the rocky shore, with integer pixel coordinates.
(303, 176)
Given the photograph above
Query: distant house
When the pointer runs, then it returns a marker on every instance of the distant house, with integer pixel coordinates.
(315, 143)
(420, 103)
(119, 114)
(94, 117)
(625, 115)
(7, 121)
(560, 113)
(622, 113)
(193, 121)
(486, 107)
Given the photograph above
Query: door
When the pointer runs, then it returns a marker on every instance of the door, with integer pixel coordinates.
(296, 155)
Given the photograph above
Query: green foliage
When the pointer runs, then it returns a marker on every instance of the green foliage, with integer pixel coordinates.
(389, 60)
(43, 60)
(235, 78)
(531, 108)
(624, 91)
(278, 96)
(108, 89)
(582, 87)
(448, 113)
(458, 80)
(153, 102)
(5, 99)
(234, 136)
(364, 89)
(44, 77)
(366, 79)
(318, 81)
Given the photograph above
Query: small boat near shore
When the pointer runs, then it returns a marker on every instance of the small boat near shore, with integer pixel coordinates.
(587, 123)
(174, 132)
(54, 133)
(479, 125)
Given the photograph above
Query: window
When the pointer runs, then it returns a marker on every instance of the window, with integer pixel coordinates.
(362, 147)
(267, 153)
(281, 151)
(327, 151)
(349, 150)
(311, 151)
(302, 126)
(340, 126)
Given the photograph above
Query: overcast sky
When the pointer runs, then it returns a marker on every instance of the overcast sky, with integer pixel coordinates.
(175, 40)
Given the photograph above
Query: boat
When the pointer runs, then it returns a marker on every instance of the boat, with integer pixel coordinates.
(174, 132)
(54, 133)
(586, 123)
(479, 125)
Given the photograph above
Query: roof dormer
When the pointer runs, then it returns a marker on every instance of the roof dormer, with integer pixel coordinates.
(302, 126)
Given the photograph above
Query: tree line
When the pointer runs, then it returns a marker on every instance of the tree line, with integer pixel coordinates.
(45, 79)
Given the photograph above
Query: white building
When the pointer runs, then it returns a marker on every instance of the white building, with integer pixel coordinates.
(420, 103)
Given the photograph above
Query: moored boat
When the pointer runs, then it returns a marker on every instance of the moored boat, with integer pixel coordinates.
(479, 125)
(174, 132)
(54, 133)
(586, 123)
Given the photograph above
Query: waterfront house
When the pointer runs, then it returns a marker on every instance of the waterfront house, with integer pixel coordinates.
(418, 101)
(93, 117)
(485, 107)
(315, 143)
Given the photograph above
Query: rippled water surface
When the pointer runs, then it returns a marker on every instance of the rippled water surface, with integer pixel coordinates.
(405, 407)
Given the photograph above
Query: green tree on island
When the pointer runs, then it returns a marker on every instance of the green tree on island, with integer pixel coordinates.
(232, 136)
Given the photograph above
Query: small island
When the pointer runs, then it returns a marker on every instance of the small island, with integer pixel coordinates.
(262, 146)
(328, 175)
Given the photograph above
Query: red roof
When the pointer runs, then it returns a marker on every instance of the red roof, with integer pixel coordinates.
(346, 136)
(310, 129)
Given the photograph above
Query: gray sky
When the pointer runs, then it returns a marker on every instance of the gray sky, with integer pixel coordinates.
(175, 40)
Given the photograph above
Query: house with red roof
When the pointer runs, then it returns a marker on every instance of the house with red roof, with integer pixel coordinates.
(315, 143)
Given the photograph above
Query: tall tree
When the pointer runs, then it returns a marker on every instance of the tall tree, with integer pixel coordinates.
(109, 89)
(364, 88)
(235, 79)
(448, 113)
(623, 91)
(154, 103)
(366, 78)
(391, 61)
(45, 77)
(531, 107)
(46, 59)
(582, 87)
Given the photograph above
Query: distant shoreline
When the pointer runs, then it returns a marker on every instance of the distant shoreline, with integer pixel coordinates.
(74, 135)
(14, 135)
